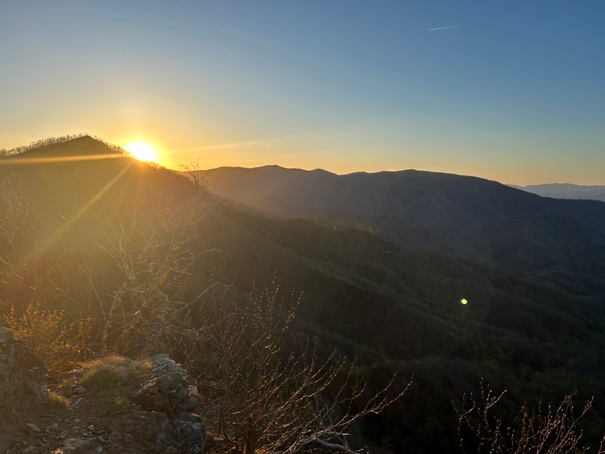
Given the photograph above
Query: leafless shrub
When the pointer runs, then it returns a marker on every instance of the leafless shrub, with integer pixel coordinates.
(23, 270)
(14, 226)
(261, 395)
(192, 168)
(543, 430)
(148, 312)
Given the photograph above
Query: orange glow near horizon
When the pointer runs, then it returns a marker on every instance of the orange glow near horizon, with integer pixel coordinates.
(142, 151)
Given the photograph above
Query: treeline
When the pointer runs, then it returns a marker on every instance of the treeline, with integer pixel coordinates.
(39, 143)
(54, 141)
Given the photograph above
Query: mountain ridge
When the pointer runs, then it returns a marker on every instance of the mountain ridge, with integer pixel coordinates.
(469, 216)
(254, 180)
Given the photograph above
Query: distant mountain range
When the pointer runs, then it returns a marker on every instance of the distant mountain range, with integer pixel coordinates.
(567, 191)
(467, 216)
(419, 198)
(382, 261)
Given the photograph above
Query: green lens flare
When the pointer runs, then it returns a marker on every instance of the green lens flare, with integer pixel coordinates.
(463, 301)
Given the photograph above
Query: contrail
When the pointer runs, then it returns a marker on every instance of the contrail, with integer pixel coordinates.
(445, 28)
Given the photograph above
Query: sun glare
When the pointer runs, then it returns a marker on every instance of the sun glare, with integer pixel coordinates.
(142, 151)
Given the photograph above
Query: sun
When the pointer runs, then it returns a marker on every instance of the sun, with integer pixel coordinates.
(142, 151)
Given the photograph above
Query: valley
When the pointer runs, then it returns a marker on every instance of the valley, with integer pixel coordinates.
(378, 264)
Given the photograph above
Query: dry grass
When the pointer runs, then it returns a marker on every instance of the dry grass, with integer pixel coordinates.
(55, 401)
(60, 344)
(114, 371)
(112, 379)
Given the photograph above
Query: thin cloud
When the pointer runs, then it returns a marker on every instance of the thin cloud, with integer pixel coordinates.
(247, 143)
(448, 27)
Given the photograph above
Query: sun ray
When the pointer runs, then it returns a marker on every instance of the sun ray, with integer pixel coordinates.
(52, 239)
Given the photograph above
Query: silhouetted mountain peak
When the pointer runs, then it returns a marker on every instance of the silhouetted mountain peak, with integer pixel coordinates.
(79, 146)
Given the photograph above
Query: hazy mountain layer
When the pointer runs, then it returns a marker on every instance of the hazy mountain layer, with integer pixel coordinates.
(567, 191)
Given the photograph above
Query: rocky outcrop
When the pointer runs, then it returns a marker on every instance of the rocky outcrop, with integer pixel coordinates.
(166, 424)
(158, 419)
(162, 423)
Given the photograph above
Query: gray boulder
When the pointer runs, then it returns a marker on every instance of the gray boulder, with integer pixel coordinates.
(165, 423)
(167, 388)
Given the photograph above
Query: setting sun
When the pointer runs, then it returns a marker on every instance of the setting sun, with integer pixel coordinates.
(142, 151)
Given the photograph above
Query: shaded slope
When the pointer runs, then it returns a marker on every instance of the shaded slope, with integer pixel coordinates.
(468, 216)
(429, 282)
(420, 198)
(399, 309)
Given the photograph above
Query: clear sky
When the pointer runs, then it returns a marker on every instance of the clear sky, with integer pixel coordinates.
(507, 90)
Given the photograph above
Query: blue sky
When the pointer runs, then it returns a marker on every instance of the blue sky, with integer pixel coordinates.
(512, 91)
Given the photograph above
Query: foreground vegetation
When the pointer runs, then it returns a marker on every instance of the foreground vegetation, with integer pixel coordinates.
(139, 261)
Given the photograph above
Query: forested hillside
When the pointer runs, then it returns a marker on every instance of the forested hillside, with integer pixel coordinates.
(137, 260)
(560, 241)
